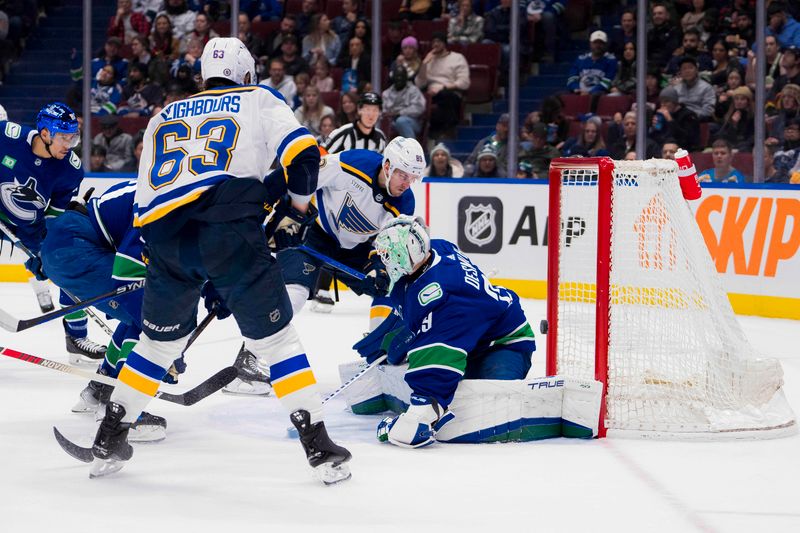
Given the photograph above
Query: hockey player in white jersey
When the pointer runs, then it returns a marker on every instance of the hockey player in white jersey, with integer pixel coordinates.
(201, 198)
(359, 191)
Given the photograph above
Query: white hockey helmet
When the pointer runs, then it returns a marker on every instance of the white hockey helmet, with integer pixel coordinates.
(229, 58)
(405, 154)
(403, 243)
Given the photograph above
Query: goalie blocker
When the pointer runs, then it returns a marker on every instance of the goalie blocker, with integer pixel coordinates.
(487, 410)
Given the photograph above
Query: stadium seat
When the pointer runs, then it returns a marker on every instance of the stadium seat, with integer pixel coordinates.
(483, 54)
(482, 84)
(575, 104)
(333, 9)
(424, 29)
(222, 27)
(743, 161)
(293, 6)
(578, 15)
(704, 134)
(130, 125)
(336, 75)
(390, 9)
(607, 105)
(702, 161)
(331, 99)
(265, 28)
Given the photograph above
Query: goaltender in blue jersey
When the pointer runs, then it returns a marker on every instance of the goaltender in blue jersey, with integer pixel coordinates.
(454, 324)
(39, 175)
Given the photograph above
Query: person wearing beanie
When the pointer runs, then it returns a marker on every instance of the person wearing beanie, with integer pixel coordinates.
(674, 121)
(444, 75)
(443, 165)
(487, 164)
(738, 127)
(408, 58)
(694, 93)
(788, 109)
(498, 141)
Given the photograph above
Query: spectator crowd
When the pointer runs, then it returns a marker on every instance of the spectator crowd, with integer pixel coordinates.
(317, 54)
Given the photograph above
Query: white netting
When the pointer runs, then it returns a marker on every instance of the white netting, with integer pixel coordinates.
(678, 362)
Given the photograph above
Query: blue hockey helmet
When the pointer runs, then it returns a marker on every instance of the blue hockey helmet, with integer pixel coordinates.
(57, 118)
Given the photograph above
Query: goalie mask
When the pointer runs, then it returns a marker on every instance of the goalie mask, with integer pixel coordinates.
(228, 58)
(403, 244)
(403, 154)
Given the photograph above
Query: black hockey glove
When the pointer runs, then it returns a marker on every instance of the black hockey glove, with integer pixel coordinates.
(34, 266)
(288, 228)
(377, 281)
(211, 299)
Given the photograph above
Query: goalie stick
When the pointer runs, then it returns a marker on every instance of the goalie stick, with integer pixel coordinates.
(292, 431)
(16, 242)
(13, 324)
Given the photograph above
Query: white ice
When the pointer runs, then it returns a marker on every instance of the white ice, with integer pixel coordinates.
(228, 463)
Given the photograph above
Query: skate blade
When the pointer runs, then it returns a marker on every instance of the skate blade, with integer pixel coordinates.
(104, 467)
(81, 360)
(83, 408)
(331, 473)
(243, 388)
(147, 434)
(319, 307)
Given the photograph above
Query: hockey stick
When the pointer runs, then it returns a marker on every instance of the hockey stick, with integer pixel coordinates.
(190, 397)
(333, 263)
(16, 242)
(13, 324)
(292, 431)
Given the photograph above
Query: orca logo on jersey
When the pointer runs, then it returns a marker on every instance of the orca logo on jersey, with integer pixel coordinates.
(22, 201)
(353, 220)
(480, 224)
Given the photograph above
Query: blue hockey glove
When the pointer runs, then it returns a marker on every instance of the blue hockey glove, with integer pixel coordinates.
(377, 281)
(34, 266)
(371, 346)
(178, 367)
(288, 227)
(395, 344)
(416, 427)
(211, 298)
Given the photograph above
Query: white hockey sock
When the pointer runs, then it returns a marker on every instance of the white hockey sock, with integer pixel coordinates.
(141, 376)
(298, 295)
(292, 379)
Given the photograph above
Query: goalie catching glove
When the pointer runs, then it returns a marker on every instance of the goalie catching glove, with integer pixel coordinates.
(288, 228)
(416, 427)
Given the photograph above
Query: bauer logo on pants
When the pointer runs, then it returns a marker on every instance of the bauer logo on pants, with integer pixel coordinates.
(480, 224)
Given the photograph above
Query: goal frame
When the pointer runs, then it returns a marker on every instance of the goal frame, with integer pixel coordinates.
(605, 166)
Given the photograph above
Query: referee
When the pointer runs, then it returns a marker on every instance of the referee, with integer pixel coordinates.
(362, 133)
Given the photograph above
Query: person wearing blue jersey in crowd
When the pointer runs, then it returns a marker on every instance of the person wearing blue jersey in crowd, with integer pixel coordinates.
(39, 175)
(451, 324)
(200, 201)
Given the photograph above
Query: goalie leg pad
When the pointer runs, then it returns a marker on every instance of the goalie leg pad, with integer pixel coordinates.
(412, 429)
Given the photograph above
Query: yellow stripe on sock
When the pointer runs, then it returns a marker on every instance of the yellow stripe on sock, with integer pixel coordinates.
(379, 311)
(138, 382)
(293, 383)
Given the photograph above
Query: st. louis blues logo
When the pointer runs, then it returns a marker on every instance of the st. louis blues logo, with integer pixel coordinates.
(353, 220)
(479, 224)
(22, 201)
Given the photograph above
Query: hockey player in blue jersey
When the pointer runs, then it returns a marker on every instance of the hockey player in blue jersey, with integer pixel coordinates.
(39, 175)
(92, 249)
(200, 201)
(454, 325)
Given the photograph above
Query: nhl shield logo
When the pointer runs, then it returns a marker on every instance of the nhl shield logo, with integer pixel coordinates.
(480, 224)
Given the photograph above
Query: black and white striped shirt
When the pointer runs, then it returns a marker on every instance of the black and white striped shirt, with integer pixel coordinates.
(349, 136)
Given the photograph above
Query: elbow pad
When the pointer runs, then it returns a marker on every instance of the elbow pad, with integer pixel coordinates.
(301, 174)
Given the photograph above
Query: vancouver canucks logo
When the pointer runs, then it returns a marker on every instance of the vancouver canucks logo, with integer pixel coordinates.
(22, 201)
(353, 220)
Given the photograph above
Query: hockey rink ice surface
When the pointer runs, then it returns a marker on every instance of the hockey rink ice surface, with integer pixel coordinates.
(228, 464)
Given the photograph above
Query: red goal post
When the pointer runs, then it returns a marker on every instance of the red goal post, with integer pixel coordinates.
(635, 302)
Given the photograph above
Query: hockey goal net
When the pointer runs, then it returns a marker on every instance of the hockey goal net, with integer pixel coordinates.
(635, 302)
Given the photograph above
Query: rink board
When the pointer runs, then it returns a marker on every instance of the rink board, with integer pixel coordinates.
(752, 232)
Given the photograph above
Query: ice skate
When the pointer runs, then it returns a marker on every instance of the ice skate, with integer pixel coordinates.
(148, 428)
(252, 380)
(93, 397)
(111, 448)
(325, 457)
(84, 351)
(322, 302)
